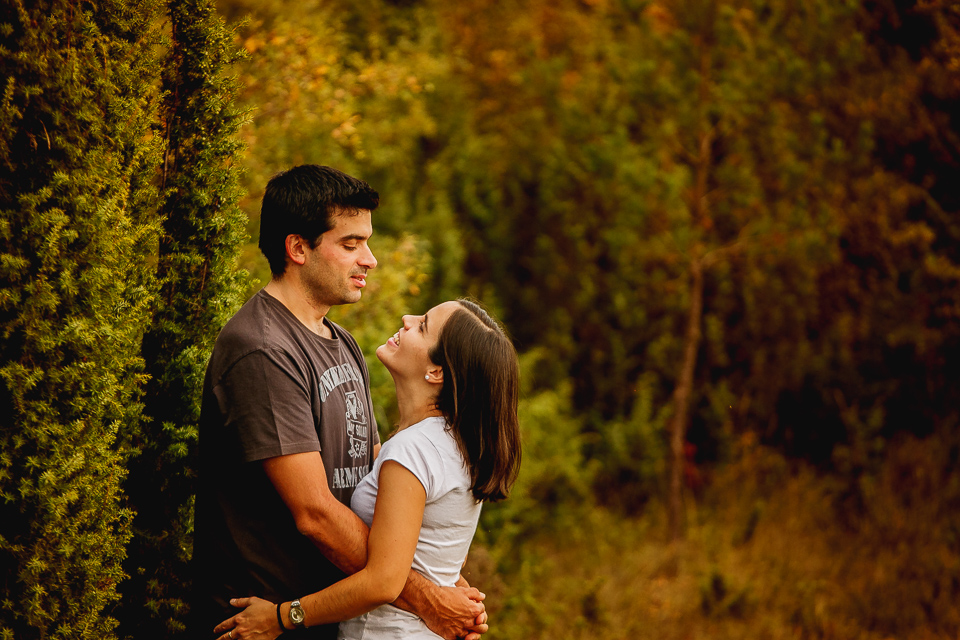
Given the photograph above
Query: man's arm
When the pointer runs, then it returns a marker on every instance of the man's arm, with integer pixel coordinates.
(450, 612)
(341, 536)
(338, 532)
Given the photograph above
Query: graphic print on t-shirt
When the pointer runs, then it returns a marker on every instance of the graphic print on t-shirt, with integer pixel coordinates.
(357, 429)
(355, 421)
(336, 376)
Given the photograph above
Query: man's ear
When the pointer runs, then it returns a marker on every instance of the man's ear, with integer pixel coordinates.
(296, 248)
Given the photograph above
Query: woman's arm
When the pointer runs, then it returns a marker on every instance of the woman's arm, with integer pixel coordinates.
(394, 532)
(397, 517)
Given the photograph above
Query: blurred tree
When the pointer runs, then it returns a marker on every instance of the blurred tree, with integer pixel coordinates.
(200, 288)
(734, 214)
(77, 233)
(641, 179)
(755, 164)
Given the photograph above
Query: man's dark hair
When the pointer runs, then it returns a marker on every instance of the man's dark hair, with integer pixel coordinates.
(304, 201)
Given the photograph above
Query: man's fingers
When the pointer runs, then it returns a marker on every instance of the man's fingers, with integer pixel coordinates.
(226, 625)
(478, 627)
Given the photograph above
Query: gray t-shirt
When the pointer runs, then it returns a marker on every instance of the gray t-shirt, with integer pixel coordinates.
(273, 388)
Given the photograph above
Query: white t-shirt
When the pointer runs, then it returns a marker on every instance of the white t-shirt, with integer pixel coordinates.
(450, 518)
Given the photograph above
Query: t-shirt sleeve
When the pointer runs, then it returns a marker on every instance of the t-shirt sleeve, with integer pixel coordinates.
(419, 456)
(266, 406)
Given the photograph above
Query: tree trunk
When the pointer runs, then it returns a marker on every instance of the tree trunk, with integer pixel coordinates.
(681, 401)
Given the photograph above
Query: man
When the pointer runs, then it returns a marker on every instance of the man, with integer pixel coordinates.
(287, 427)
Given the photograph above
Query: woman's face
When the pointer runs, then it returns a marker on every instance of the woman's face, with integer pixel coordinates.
(406, 353)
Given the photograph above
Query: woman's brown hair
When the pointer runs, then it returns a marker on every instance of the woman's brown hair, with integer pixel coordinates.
(479, 397)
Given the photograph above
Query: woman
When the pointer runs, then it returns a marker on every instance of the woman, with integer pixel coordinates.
(457, 445)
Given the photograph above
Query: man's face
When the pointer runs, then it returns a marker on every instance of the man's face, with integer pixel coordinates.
(335, 270)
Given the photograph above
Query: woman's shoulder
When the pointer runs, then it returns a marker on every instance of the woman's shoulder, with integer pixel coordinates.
(428, 441)
(421, 434)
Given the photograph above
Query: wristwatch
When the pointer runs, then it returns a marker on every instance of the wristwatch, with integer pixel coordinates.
(296, 614)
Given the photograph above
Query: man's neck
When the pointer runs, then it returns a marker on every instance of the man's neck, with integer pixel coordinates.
(293, 297)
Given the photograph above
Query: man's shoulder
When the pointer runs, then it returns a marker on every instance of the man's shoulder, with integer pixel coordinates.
(246, 327)
(257, 327)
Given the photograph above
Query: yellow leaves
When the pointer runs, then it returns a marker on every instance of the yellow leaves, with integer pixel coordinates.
(347, 128)
(252, 44)
(569, 80)
(660, 18)
(917, 235)
(941, 267)
(499, 57)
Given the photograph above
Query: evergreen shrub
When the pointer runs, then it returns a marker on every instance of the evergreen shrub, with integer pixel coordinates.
(77, 229)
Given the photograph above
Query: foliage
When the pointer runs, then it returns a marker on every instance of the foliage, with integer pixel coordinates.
(76, 234)
(575, 164)
(889, 323)
(199, 289)
(323, 93)
(734, 219)
(764, 557)
(554, 475)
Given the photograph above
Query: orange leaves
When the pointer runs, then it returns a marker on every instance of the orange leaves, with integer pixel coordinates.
(660, 18)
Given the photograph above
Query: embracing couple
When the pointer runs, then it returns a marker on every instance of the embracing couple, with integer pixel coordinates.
(302, 519)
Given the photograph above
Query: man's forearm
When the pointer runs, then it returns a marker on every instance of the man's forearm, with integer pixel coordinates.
(341, 537)
(450, 612)
(416, 594)
(337, 532)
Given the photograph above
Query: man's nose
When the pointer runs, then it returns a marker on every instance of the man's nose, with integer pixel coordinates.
(368, 260)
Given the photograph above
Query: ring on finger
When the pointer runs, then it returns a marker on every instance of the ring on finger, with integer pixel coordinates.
(230, 635)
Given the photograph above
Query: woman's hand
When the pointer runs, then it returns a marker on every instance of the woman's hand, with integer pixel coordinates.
(257, 621)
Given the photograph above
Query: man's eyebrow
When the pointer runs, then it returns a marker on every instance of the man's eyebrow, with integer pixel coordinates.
(354, 236)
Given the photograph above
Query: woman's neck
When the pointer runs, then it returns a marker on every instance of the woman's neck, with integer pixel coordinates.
(415, 407)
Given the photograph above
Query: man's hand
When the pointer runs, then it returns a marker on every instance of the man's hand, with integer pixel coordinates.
(456, 612)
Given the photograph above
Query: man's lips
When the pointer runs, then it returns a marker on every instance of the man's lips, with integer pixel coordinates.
(360, 279)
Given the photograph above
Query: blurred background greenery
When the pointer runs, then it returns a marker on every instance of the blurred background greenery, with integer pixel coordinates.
(724, 235)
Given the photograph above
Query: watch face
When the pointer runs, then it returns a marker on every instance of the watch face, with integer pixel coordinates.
(296, 613)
